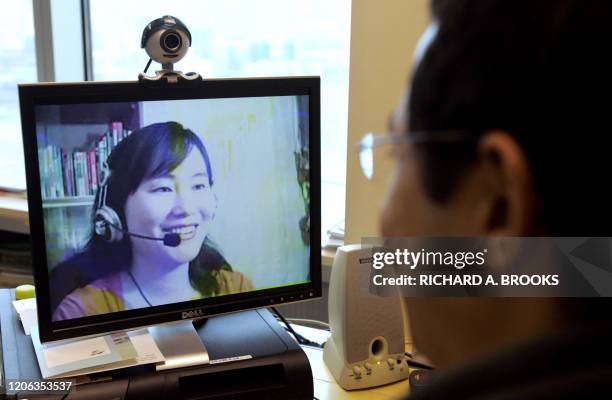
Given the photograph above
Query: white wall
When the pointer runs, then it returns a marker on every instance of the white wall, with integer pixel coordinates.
(383, 37)
(250, 142)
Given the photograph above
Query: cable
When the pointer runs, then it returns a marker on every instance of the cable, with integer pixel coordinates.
(299, 338)
(147, 67)
(322, 324)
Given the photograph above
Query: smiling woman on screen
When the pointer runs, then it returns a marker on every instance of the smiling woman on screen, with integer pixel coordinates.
(151, 223)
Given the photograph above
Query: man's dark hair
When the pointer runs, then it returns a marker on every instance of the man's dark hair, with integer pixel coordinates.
(540, 70)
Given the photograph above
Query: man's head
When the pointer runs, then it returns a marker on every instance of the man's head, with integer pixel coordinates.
(529, 80)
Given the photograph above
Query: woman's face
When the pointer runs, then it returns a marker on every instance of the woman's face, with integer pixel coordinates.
(181, 202)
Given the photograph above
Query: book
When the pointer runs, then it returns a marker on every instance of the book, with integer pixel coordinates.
(101, 152)
(81, 173)
(58, 179)
(92, 172)
(117, 128)
(67, 172)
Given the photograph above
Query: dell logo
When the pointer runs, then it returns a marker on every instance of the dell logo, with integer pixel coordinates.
(193, 313)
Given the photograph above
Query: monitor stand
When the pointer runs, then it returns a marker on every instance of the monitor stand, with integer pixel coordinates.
(180, 344)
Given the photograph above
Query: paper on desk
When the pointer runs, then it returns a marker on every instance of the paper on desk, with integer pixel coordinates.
(75, 351)
(25, 304)
(145, 346)
(146, 349)
(78, 356)
(26, 309)
(125, 350)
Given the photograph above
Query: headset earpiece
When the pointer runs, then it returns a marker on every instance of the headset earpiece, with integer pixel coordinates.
(107, 224)
(106, 221)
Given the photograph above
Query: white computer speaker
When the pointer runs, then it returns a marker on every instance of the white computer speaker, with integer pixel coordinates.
(366, 346)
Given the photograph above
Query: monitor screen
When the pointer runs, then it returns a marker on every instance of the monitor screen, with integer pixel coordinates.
(149, 205)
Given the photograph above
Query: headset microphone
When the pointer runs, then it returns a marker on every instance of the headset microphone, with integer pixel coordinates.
(169, 239)
(172, 239)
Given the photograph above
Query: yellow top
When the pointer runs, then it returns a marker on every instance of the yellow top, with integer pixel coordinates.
(106, 295)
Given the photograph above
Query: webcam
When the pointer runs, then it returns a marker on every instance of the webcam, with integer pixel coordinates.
(166, 40)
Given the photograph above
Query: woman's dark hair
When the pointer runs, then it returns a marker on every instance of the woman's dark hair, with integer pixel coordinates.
(147, 153)
(539, 70)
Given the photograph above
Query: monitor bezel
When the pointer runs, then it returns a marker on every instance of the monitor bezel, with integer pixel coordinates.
(32, 95)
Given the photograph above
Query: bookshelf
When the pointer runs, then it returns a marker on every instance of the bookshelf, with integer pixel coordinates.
(74, 141)
(74, 173)
(76, 201)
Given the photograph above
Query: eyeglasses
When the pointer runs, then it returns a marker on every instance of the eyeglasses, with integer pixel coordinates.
(371, 141)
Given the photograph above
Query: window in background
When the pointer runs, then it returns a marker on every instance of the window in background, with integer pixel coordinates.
(240, 38)
(17, 65)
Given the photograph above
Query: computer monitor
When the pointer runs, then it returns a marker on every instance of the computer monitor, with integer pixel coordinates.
(156, 204)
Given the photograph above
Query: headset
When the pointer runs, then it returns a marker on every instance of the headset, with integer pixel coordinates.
(107, 223)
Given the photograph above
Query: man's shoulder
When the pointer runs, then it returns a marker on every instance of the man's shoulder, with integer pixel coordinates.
(569, 365)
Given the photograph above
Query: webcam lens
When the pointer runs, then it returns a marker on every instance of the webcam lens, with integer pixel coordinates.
(172, 42)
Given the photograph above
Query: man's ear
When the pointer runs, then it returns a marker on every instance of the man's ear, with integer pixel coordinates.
(511, 203)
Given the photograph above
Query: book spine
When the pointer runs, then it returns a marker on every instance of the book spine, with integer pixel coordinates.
(43, 173)
(52, 172)
(85, 161)
(101, 153)
(118, 127)
(65, 171)
(109, 142)
(84, 181)
(93, 175)
(49, 174)
(73, 159)
(73, 177)
(69, 174)
(78, 175)
(88, 170)
(75, 166)
(59, 171)
(115, 135)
